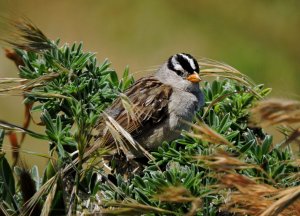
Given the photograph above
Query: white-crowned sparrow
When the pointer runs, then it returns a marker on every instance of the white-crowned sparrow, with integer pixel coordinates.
(154, 109)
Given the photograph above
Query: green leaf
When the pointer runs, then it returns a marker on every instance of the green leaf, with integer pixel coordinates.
(224, 124)
(126, 81)
(232, 135)
(7, 182)
(215, 88)
(114, 78)
(141, 197)
(139, 182)
(49, 172)
(35, 175)
(247, 146)
(266, 144)
(2, 132)
(279, 171)
(265, 92)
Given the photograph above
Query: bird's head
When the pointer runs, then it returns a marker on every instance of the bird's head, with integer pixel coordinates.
(185, 66)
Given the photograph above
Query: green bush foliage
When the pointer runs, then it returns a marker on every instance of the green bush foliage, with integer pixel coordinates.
(70, 88)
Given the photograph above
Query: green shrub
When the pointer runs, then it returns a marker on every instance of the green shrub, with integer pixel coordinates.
(70, 88)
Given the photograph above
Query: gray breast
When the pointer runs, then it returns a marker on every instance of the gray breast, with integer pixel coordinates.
(182, 108)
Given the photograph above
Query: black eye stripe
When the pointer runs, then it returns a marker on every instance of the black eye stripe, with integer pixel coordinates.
(179, 73)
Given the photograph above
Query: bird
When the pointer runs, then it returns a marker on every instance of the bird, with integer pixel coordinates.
(154, 109)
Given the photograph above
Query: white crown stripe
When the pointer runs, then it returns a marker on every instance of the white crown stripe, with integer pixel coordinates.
(176, 64)
(190, 60)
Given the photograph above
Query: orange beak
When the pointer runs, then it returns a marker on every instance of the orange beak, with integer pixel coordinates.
(194, 78)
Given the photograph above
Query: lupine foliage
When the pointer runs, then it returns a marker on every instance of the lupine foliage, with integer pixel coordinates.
(70, 88)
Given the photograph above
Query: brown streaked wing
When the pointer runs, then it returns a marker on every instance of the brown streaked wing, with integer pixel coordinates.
(148, 105)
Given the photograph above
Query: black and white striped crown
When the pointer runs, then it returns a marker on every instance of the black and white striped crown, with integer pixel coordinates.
(183, 64)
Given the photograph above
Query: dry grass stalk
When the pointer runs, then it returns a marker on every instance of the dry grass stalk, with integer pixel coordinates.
(251, 198)
(3, 210)
(26, 85)
(293, 137)
(196, 204)
(205, 133)
(11, 127)
(27, 36)
(133, 112)
(115, 132)
(175, 194)
(47, 205)
(170, 194)
(246, 185)
(276, 112)
(132, 208)
(296, 163)
(287, 199)
(44, 189)
(180, 195)
(222, 161)
(218, 66)
(123, 138)
(214, 68)
(12, 80)
(7, 148)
